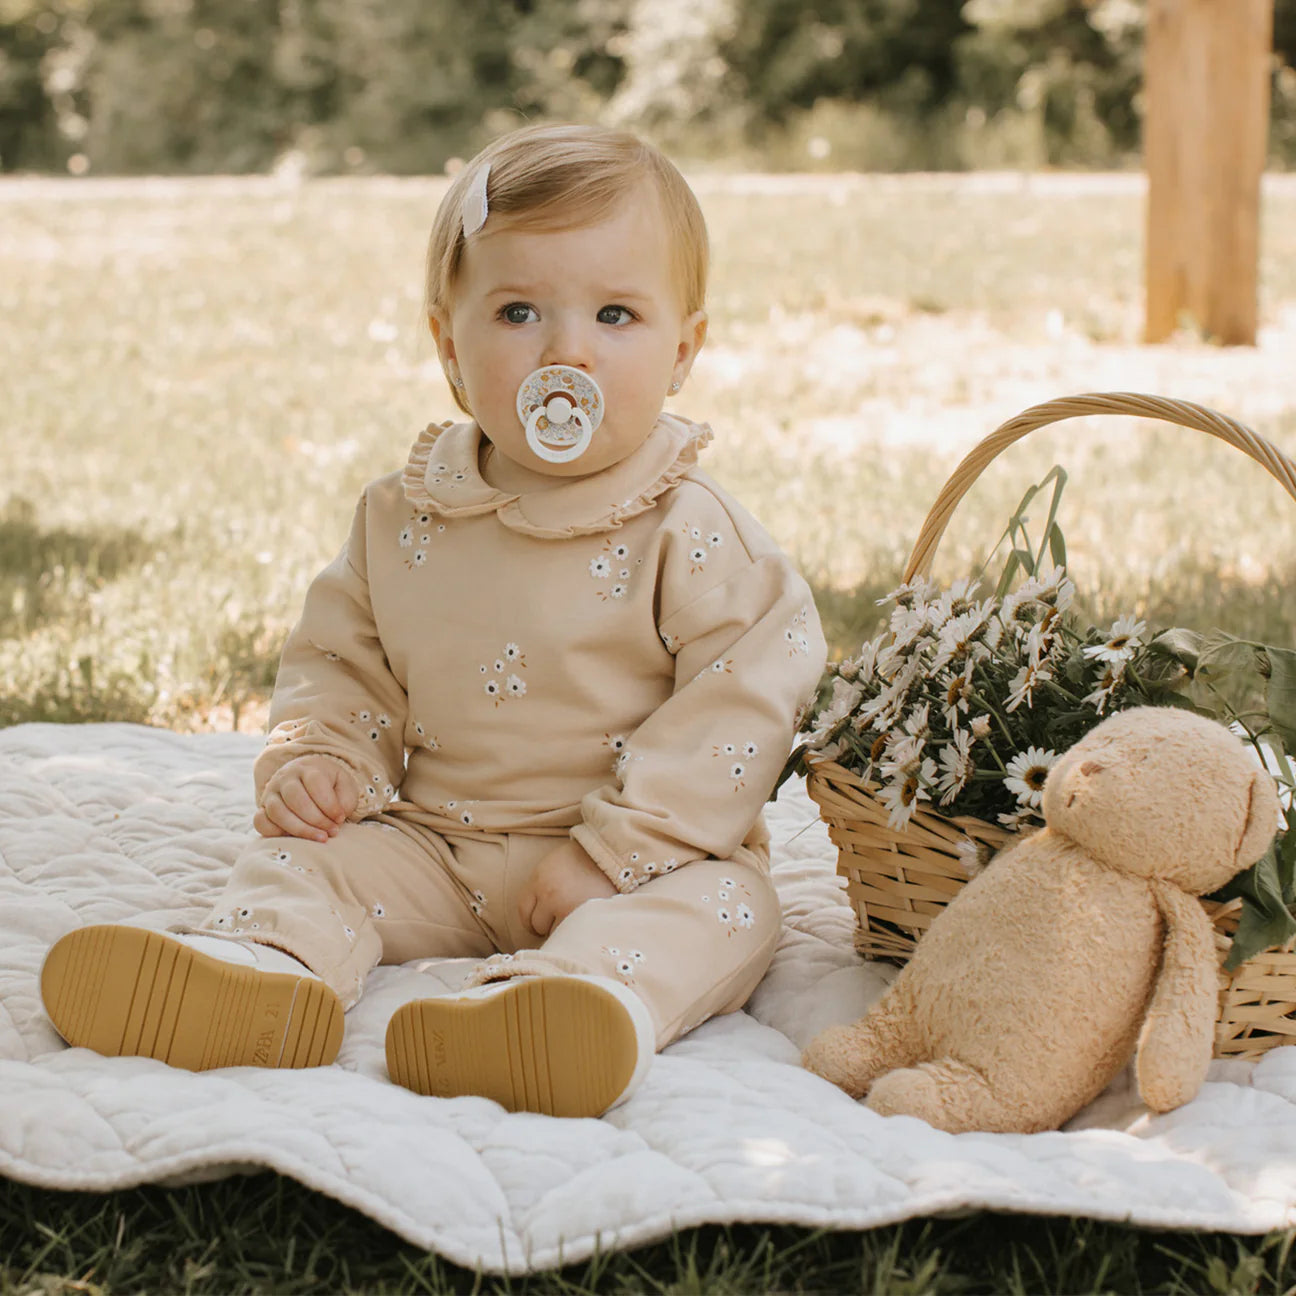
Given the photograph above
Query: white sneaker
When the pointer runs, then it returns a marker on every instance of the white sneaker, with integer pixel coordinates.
(194, 1001)
(560, 1045)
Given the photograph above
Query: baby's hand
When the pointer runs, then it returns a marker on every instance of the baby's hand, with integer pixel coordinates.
(309, 797)
(563, 879)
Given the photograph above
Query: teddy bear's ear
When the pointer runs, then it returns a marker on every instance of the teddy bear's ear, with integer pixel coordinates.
(1261, 822)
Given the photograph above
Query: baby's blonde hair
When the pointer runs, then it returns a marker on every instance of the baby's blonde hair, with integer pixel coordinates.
(566, 177)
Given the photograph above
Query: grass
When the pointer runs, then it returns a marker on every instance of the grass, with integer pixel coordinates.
(269, 1234)
(208, 371)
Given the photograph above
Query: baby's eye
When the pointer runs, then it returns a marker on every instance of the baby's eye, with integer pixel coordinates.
(615, 315)
(518, 313)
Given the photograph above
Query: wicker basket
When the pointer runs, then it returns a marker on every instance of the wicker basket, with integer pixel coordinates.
(898, 881)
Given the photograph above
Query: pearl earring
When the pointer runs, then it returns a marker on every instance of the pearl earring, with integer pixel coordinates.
(675, 386)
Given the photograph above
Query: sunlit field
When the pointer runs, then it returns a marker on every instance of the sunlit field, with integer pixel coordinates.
(200, 375)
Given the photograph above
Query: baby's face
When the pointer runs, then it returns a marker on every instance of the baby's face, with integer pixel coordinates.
(603, 299)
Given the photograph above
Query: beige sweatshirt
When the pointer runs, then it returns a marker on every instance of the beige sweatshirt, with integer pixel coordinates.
(621, 656)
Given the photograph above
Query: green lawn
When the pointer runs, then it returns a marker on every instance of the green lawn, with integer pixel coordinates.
(199, 376)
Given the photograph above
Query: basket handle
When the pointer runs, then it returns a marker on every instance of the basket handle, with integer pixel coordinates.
(1055, 411)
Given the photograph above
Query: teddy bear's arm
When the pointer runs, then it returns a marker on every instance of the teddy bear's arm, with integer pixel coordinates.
(1174, 1047)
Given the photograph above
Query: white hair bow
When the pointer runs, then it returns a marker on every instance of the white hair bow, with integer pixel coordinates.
(474, 203)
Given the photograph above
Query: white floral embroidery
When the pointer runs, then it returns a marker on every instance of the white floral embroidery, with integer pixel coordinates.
(732, 916)
(499, 665)
(797, 636)
(600, 568)
(378, 909)
(406, 537)
(627, 878)
(281, 857)
(737, 772)
(616, 743)
(697, 558)
(725, 749)
(750, 750)
(493, 690)
(223, 921)
(714, 540)
(430, 743)
(513, 653)
(515, 686)
(625, 962)
(348, 932)
(478, 904)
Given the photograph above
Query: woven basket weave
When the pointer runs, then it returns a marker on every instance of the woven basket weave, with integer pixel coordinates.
(898, 881)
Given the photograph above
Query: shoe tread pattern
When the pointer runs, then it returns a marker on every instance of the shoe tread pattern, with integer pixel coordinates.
(553, 1045)
(126, 991)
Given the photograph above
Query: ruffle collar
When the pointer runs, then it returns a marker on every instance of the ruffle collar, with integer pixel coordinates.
(442, 476)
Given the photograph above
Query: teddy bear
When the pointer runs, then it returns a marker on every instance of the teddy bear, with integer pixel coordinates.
(1077, 947)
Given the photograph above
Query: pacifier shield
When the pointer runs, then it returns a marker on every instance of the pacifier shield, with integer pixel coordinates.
(561, 409)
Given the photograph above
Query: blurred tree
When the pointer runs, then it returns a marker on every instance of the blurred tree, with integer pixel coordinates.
(898, 52)
(1075, 65)
(404, 85)
(182, 85)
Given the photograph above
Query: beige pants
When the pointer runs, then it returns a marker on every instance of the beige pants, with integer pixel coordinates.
(691, 944)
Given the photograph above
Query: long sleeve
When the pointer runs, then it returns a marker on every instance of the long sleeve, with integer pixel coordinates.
(335, 694)
(749, 650)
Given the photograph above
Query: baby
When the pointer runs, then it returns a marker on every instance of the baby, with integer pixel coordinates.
(532, 710)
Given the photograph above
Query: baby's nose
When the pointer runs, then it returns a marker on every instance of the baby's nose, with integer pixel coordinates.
(567, 344)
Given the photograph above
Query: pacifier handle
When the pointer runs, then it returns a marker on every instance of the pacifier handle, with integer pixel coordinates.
(567, 453)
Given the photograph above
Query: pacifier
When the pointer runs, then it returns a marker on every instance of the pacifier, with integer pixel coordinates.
(561, 409)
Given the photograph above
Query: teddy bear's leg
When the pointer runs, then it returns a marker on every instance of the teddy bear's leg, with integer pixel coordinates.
(853, 1056)
(952, 1096)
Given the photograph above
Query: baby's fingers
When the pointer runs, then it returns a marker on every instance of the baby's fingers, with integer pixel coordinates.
(326, 792)
(290, 809)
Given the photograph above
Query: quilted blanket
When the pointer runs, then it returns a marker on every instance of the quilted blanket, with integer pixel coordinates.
(109, 822)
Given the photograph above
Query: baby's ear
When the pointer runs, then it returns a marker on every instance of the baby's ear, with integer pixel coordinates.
(1261, 820)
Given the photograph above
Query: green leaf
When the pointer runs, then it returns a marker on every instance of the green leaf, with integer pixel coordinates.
(1266, 920)
(1223, 658)
(1281, 694)
(1059, 478)
(1183, 646)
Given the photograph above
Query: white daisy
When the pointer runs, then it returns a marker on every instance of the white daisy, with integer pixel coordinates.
(407, 537)
(1026, 774)
(905, 790)
(600, 568)
(1123, 641)
(956, 766)
(1112, 679)
(744, 916)
(515, 685)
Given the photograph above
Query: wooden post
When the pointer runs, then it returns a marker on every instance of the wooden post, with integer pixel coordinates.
(1205, 139)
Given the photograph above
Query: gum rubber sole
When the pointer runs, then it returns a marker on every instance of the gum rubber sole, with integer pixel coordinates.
(556, 1045)
(125, 991)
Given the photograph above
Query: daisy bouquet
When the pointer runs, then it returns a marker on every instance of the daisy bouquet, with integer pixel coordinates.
(964, 703)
